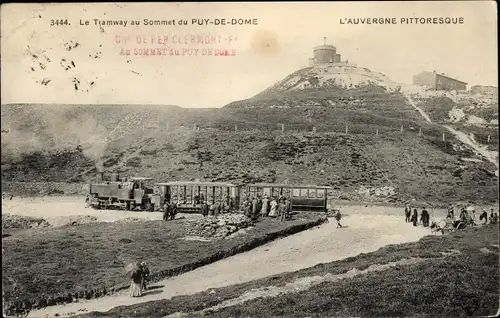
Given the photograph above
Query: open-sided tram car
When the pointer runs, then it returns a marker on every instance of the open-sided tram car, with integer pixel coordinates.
(189, 195)
(304, 198)
(127, 193)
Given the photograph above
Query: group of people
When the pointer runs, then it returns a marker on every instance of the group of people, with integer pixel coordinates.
(413, 217)
(493, 217)
(140, 278)
(254, 207)
(219, 206)
(169, 210)
(467, 216)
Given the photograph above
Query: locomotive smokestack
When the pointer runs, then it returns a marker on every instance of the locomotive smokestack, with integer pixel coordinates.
(100, 170)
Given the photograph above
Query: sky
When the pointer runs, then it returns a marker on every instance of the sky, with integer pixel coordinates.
(40, 63)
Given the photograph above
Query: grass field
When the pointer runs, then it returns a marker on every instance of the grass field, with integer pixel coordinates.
(57, 261)
(455, 271)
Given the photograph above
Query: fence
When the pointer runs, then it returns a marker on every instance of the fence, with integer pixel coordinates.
(406, 130)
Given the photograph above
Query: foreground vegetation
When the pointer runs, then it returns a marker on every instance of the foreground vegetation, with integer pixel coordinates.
(47, 263)
(458, 270)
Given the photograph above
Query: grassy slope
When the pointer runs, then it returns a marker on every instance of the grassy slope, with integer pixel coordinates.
(141, 144)
(90, 256)
(431, 288)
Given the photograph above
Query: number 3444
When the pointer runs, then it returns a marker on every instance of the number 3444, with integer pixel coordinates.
(59, 22)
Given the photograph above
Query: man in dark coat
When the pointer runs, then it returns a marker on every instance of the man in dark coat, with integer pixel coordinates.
(254, 207)
(288, 204)
(145, 275)
(173, 210)
(204, 208)
(414, 217)
(424, 217)
(166, 211)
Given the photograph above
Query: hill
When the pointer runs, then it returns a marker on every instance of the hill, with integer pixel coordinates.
(244, 141)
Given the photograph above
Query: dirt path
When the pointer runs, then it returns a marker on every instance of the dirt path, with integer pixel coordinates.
(426, 117)
(326, 243)
(491, 156)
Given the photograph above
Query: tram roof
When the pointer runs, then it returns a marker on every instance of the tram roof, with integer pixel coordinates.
(276, 185)
(195, 183)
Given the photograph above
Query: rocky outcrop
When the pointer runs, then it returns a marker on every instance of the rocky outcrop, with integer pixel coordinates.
(220, 226)
(10, 221)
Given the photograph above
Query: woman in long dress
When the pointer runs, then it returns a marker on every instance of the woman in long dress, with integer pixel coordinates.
(136, 285)
(265, 203)
(273, 208)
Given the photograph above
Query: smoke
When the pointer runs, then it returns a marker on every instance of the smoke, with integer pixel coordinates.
(42, 129)
(92, 136)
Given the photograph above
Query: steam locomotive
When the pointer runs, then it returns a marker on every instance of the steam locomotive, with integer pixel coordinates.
(131, 194)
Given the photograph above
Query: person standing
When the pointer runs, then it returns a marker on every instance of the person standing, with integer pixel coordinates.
(211, 209)
(464, 217)
(451, 211)
(204, 208)
(338, 217)
(282, 210)
(494, 218)
(407, 213)
(173, 210)
(265, 204)
(273, 204)
(484, 217)
(414, 217)
(231, 205)
(424, 218)
(136, 285)
(145, 275)
(254, 207)
(247, 208)
(166, 211)
(288, 205)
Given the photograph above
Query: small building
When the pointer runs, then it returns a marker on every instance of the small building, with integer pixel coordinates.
(438, 81)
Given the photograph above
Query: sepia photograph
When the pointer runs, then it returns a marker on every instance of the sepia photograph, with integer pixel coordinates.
(250, 159)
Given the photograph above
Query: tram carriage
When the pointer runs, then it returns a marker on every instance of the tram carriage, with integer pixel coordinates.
(304, 198)
(189, 195)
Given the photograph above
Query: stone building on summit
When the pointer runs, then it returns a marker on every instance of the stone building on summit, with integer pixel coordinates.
(325, 54)
(437, 81)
